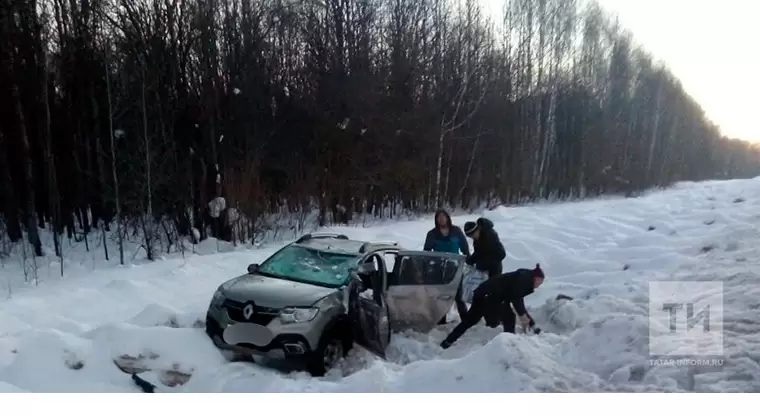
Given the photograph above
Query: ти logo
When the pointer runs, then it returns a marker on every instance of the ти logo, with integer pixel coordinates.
(686, 318)
(692, 319)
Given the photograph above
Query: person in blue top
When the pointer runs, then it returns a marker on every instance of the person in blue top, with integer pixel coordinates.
(447, 237)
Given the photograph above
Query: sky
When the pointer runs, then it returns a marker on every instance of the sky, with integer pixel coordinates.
(712, 46)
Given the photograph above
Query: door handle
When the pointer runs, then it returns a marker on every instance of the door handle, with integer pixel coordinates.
(445, 297)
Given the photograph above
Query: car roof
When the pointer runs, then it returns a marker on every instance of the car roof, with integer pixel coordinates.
(348, 246)
(334, 245)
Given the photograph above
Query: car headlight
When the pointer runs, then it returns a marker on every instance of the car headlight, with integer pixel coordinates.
(298, 315)
(218, 298)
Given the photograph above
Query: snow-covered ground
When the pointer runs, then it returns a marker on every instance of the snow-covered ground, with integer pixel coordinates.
(62, 335)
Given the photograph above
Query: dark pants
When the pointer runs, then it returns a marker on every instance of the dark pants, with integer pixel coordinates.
(480, 309)
(461, 305)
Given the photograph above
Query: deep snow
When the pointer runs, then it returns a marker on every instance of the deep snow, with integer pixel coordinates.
(601, 252)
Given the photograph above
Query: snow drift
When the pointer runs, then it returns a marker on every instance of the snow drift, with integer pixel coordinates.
(63, 335)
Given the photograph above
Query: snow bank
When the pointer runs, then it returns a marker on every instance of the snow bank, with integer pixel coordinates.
(64, 335)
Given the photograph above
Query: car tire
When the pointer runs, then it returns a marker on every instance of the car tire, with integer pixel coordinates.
(332, 347)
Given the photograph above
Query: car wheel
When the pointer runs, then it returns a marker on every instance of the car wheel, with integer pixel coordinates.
(330, 350)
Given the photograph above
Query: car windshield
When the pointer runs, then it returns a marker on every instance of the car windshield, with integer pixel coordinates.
(308, 265)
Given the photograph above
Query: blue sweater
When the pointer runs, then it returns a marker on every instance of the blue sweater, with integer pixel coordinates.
(454, 242)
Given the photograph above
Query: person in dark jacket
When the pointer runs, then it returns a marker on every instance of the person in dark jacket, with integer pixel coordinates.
(492, 301)
(447, 237)
(488, 252)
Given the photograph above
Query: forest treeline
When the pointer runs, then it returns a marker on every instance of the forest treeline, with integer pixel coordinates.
(185, 116)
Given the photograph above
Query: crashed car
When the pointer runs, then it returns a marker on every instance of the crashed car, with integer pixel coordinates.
(313, 299)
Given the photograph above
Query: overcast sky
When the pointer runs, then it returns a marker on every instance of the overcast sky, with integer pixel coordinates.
(712, 46)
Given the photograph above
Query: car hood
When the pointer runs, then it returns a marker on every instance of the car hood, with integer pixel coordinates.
(274, 293)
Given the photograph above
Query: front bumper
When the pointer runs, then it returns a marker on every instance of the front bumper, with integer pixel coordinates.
(282, 346)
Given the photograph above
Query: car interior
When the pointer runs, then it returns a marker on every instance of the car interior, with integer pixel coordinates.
(412, 271)
(375, 277)
(426, 271)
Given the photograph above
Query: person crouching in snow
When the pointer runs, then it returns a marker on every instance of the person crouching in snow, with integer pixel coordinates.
(488, 252)
(492, 301)
(448, 238)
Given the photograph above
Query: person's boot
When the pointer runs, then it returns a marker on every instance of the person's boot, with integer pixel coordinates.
(445, 344)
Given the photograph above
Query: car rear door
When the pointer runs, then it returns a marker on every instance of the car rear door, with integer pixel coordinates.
(423, 289)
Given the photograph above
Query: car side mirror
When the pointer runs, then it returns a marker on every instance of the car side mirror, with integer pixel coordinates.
(253, 268)
(366, 269)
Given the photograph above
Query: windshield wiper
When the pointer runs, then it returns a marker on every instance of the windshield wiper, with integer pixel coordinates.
(267, 274)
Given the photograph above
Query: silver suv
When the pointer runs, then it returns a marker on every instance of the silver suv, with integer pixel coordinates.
(311, 300)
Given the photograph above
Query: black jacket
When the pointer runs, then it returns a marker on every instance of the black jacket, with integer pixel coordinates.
(488, 252)
(510, 287)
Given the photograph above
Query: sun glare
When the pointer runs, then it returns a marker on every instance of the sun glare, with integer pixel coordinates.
(711, 47)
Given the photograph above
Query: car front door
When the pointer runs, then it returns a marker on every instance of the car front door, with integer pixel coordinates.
(370, 311)
(423, 288)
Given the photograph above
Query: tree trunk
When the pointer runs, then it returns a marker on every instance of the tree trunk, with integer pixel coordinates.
(30, 213)
(11, 208)
(147, 223)
(117, 201)
(53, 192)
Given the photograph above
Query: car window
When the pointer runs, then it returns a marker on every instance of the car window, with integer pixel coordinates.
(375, 281)
(389, 257)
(426, 270)
(376, 261)
(308, 265)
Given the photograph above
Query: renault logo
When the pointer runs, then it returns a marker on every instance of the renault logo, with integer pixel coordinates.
(248, 311)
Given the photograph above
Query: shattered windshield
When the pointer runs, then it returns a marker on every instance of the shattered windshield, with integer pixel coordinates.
(308, 265)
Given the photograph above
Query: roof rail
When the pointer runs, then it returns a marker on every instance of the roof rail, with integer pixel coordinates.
(385, 242)
(310, 236)
(368, 244)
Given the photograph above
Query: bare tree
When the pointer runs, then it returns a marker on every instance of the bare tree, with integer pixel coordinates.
(150, 113)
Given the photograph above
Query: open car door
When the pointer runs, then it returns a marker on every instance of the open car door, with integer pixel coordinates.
(369, 313)
(422, 288)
